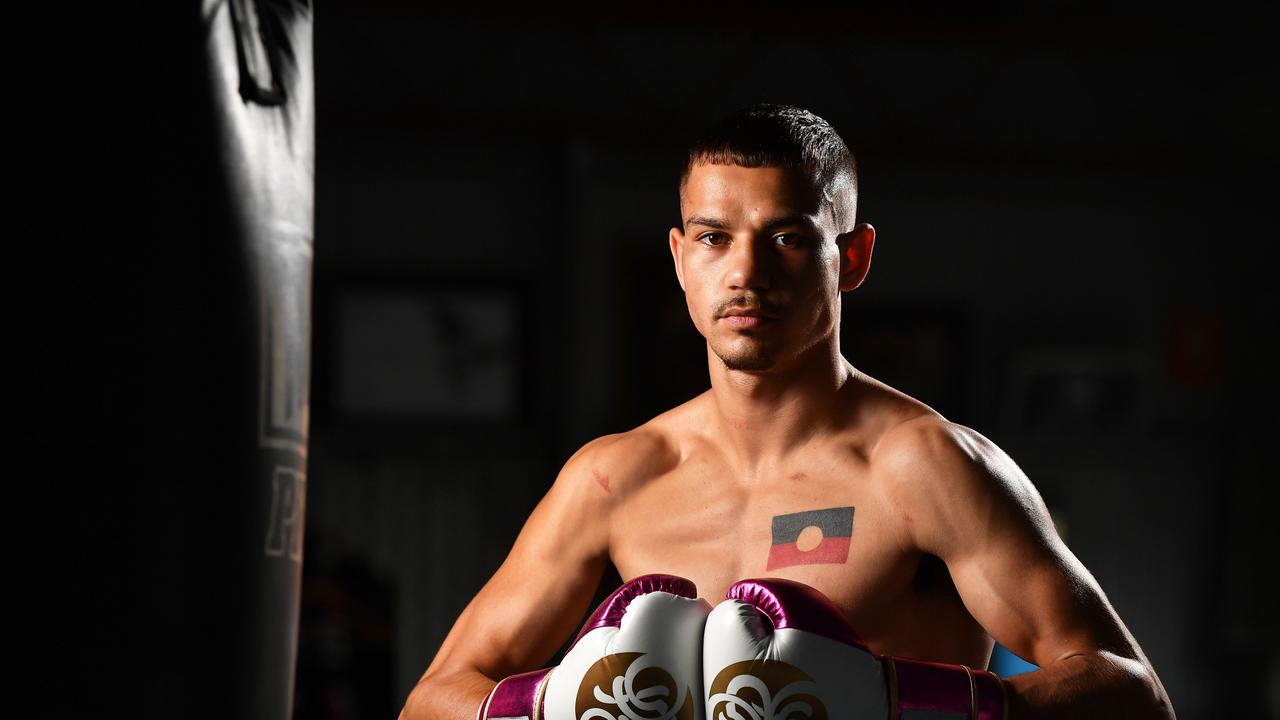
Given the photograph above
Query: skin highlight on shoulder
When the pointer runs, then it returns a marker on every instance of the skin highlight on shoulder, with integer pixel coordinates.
(911, 447)
(616, 463)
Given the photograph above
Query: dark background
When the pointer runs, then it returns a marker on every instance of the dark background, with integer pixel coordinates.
(1074, 258)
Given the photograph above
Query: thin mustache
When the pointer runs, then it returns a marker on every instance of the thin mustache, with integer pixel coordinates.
(745, 304)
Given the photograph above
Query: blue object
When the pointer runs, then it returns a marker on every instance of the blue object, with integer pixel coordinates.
(1005, 664)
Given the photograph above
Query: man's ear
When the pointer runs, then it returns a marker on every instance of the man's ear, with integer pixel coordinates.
(855, 255)
(676, 238)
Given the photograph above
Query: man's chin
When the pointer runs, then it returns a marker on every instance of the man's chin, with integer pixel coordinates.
(748, 363)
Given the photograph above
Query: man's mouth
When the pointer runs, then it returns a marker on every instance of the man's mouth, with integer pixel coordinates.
(744, 318)
(747, 321)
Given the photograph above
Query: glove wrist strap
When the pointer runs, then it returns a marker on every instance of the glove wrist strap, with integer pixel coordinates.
(920, 686)
(517, 696)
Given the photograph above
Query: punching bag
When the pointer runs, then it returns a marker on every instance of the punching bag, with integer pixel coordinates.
(261, 80)
(164, 306)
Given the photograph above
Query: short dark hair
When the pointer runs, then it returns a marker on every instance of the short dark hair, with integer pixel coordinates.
(771, 135)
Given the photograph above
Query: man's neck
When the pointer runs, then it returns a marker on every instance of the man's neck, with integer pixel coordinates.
(763, 417)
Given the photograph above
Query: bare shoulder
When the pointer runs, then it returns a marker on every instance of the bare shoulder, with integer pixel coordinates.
(615, 462)
(940, 475)
(570, 528)
(930, 446)
(618, 462)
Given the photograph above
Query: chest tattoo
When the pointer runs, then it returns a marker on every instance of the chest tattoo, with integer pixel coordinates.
(811, 537)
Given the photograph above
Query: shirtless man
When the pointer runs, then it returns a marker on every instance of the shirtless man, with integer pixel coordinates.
(936, 542)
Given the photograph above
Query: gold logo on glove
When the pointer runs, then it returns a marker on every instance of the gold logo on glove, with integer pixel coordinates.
(764, 690)
(628, 686)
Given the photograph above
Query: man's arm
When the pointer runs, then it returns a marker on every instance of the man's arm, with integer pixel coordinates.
(534, 601)
(965, 501)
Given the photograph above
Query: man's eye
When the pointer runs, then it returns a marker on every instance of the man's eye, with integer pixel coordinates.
(712, 239)
(788, 240)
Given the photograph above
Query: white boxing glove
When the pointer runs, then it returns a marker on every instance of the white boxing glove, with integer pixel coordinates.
(637, 657)
(780, 649)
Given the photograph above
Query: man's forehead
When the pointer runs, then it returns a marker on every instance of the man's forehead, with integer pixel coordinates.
(726, 186)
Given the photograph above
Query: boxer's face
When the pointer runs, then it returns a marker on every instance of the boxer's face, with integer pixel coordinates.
(760, 239)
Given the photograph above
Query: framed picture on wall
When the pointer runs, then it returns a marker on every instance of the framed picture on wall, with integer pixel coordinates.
(427, 352)
(1064, 388)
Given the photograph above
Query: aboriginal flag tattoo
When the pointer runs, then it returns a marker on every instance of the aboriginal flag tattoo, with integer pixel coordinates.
(812, 537)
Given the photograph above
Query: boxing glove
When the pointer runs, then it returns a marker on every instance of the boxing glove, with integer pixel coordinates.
(638, 656)
(780, 649)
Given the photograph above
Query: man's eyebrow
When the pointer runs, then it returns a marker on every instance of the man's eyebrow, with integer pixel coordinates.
(770, 224)
(707, 221)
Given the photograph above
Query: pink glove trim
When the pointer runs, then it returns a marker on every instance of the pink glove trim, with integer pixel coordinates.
(610, 612)
(515, 696)
(990, 700)
(917, 685)
(790, 604)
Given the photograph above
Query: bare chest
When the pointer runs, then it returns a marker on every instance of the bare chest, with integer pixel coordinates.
(815, 523)
(821, 523)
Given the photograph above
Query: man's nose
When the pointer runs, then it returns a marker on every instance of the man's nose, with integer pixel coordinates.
(749, 264)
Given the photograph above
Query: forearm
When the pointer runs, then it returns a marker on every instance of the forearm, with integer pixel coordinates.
(1096, 685)
(456, 696)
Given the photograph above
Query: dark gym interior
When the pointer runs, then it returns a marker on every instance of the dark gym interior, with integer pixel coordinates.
(1073, 258)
